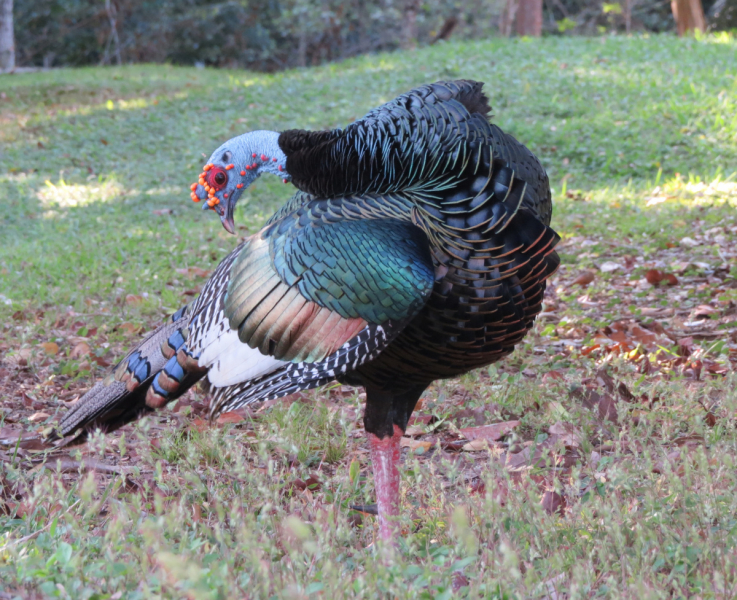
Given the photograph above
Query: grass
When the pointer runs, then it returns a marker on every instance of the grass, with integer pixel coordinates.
(639, 136)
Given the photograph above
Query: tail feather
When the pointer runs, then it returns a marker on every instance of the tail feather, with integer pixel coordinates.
(122, 396)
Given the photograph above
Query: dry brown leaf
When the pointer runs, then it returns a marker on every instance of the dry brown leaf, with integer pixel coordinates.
(568, 433)
(80, 350)
(313, 483)
(196, 513)
(491, 433)
(479, 445)
(608, 409)
(552, 503)
(422, 419)
(38, 416)
(50, 348)
(199, 424)
(299, 484)
(200, 272)
(130, 328)
(552, 376)
(670, 279)
(230, 417)
(414, 445)
(518, 460)
(133, 300)
(653, 276)
(585, 278)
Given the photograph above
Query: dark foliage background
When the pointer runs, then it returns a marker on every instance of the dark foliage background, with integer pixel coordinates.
(273, 34)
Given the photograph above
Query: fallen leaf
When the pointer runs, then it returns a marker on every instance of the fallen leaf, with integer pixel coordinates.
(608, 409)
(130, 328)
(491, 433)
(609, 266)
(162, 211)
(585, 278)
(415, 445)
(50, 348)
(653, 276)
(478, 415)
(670, 279)
(518, 460)
(552, 503)
(200, 272)
(568, 433)
(553, 375)
(299, 484)
(230, 417)
(703, 311)
(99, 360)
(38, 416)
(478, 445)
(452, 445)
(458, 581)
(199, 424)
(80, 350)
(313, 483)
(133, 300)
(422, 419)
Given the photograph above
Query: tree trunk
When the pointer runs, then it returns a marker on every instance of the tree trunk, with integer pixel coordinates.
(446, 30)
(409, 23)
(530, 18)
(506, 22)
(689, 15)
(7, 41)
(302, 49)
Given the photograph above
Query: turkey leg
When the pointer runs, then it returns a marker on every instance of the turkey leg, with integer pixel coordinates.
(385, 457)
(385, 421)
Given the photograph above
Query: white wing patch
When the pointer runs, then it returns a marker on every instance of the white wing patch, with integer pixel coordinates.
(230, 361)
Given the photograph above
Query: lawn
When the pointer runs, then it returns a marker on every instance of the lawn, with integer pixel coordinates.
(614, 474)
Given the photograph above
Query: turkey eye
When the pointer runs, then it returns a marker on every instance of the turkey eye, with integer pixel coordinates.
(220, 178)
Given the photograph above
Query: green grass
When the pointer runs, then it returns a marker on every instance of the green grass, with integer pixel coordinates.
(639, 136)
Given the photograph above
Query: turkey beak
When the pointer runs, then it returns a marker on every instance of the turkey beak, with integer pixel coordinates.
(227, 219)
(228, 208)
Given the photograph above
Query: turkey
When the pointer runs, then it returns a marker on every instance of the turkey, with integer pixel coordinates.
(417, 248)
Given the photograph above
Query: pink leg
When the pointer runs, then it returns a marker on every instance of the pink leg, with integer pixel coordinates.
(385, 456)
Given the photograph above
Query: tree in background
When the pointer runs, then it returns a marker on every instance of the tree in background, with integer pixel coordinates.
(268, 35)
(507, 19)
(529, 18)
(409, 23)
(7, 39)
(689, 15)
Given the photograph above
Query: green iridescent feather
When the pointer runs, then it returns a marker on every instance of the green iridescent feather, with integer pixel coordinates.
(377, 270)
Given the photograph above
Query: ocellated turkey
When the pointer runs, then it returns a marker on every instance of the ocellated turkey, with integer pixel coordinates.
(417, 248)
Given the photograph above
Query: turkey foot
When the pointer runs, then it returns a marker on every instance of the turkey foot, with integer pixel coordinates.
(384, 457)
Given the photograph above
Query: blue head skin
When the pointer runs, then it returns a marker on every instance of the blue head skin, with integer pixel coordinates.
(236, 165)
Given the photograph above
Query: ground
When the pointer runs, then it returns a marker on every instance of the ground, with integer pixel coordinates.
(597, 461)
